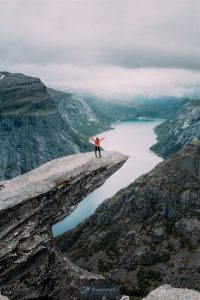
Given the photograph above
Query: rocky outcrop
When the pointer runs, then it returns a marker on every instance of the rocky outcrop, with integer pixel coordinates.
(166, 292)
(31, 266)
(149, 232)
(38, 125)
(181, 129)
(3, 297)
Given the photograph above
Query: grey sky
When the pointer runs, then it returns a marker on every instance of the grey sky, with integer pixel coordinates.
(128, 45)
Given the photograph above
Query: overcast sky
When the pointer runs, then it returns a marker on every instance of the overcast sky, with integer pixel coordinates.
(126, 46)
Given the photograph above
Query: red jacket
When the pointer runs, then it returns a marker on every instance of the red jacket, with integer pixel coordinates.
(98, 142)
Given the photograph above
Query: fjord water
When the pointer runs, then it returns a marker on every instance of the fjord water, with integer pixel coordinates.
(131, 137)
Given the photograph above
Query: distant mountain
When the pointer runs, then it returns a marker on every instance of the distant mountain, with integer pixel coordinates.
(179, 130)
(149, 232)
(39, 124)
(112, 110)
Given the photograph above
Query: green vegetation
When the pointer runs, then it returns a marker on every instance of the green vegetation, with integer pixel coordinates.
(148, 279)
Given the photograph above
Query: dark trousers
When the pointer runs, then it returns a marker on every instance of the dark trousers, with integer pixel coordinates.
(97, 149)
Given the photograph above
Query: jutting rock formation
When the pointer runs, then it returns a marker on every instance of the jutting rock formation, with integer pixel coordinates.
(31, 265)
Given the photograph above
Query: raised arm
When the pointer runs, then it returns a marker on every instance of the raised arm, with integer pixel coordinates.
(102, 138)
(93, 139)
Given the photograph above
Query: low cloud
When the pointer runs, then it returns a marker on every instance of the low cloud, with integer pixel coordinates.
(126, 45)
(115, 82)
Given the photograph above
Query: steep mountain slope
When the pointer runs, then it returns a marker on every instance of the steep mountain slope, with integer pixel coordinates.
(184, 127)
(149, 232)
(77, 113)
(37, 126)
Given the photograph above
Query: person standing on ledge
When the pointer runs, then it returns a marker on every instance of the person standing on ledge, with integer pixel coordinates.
(97, 145)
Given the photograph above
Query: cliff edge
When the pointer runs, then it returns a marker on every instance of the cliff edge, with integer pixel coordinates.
(31, 265)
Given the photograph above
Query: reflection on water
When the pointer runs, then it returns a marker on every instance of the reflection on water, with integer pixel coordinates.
(134, 138)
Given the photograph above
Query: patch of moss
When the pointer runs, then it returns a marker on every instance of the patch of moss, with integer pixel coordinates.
(169, 227)
(108, 244)
(150, 259)
(148, 279)
(81, 249)
(133, 292)
(104, 266)
(185, 243)
(155, 258)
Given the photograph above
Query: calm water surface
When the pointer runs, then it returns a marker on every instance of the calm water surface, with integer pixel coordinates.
(133, 138)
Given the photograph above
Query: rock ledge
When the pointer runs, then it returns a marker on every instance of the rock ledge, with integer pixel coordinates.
(31, 266)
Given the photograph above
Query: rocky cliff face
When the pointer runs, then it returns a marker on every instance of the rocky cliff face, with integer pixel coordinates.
(31, 266)
(149, 232)
(183, 128)
(39, 125)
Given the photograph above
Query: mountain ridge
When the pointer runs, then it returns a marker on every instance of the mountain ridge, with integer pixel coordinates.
(148, 233)
(175, 132)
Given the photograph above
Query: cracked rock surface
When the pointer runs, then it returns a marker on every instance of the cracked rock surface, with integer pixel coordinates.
(31, 266)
